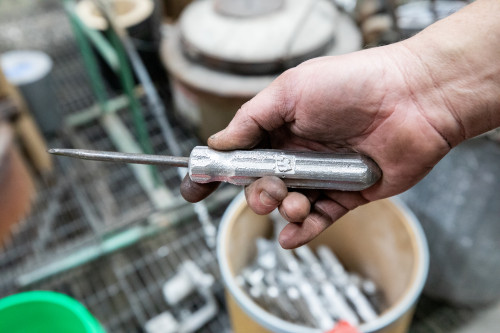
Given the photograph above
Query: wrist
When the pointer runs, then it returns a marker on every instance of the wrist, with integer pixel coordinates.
(455, 72)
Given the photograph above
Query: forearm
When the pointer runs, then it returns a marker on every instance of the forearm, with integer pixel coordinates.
(458, 60)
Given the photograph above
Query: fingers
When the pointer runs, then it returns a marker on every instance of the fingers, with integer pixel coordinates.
(295, 207)
(194, 192)
(309, 213)
(323, 213)
(265, 194)
(268, 193)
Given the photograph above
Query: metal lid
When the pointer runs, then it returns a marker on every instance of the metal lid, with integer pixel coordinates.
(259, 44)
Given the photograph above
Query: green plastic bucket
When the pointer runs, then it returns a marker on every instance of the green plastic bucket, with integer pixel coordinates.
(44, 312)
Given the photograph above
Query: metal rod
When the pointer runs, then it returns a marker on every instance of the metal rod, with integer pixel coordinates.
(109, 156)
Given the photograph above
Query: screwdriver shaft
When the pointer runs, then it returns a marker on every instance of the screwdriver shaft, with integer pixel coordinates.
(109, 156)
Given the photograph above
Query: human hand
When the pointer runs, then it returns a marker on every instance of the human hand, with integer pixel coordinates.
(332, 104)
(385, 103)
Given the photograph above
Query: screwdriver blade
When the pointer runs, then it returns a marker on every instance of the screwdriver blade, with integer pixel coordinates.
(109, 156)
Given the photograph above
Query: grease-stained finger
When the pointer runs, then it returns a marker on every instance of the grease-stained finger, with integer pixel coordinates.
(265, 194)
(322, 215)
(194, 192)
(295, 207)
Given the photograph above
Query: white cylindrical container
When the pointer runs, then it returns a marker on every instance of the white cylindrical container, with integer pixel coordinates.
(382, 241)
(30, 71)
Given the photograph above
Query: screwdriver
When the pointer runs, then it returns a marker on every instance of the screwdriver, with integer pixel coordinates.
(298, 169)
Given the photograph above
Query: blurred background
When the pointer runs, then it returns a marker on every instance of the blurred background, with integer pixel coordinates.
(160, 76)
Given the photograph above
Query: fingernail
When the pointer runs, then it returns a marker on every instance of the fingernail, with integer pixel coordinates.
(267, 200)
(284, 214)
(215, 136)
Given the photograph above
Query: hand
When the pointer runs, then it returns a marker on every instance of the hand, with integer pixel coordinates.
(358, 102)
(385, 103)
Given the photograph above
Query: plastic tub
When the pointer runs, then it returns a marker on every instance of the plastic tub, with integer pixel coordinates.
(45, 312)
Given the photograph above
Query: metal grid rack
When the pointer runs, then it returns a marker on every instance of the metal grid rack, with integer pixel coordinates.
(90, 202)
(123, 290)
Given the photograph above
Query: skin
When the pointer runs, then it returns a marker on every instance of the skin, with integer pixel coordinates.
(405, 105)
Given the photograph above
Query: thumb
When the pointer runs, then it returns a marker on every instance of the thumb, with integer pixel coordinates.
(267, 111)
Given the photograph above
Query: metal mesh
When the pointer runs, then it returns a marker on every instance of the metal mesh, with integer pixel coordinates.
(123, 290)
(88, 202)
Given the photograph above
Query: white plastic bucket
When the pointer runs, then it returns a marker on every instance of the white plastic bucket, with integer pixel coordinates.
(382, 240)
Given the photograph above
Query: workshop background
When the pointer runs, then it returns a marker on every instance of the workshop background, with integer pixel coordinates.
(119, 238)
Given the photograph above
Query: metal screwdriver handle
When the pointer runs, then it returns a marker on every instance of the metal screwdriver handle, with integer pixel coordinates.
(312, 170)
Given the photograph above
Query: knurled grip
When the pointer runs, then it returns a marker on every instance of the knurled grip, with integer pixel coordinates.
(311, 170)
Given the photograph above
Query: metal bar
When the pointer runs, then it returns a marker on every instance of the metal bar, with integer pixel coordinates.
(102, 46)
(127, 81)
(88, 56)
(86, 116)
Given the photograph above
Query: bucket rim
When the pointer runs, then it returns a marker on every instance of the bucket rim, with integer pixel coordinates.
(278, 325)
(89, 322)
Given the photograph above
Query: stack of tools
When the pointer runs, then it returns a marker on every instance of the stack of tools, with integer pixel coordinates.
(310, 288)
